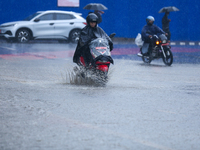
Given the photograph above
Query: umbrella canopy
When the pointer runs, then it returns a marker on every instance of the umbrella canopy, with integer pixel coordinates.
(168, 9)
(95, 6)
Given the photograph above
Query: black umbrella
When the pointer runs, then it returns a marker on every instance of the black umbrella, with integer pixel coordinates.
(168, 9)
(95, 6)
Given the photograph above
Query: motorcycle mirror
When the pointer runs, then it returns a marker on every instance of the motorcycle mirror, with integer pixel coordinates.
(112, 35)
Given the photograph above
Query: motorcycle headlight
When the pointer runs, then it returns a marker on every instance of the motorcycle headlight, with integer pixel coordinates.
(164, 41)
(157, 42)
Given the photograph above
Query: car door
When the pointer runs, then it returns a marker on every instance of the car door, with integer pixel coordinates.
(43, 27)
(64, 23)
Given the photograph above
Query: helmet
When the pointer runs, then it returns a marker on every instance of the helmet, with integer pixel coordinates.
(150, 18)
(91, 18)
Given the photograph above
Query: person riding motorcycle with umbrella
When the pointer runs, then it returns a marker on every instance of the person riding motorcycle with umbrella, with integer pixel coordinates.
(90, 32)
(148, 31)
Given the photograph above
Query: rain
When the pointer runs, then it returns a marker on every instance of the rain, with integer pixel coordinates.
(46, 103)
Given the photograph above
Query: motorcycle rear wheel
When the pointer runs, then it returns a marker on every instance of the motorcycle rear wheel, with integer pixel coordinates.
(146, 59)
(100, 78)
(103, 75)
(168, 60)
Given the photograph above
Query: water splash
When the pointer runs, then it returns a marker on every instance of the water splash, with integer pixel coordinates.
(80, 76)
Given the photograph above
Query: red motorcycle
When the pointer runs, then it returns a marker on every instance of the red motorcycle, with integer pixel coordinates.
(98, 69)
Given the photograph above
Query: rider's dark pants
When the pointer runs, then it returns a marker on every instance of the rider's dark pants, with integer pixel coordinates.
(151, 44)
(87, 57)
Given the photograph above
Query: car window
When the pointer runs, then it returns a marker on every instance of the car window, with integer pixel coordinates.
(31, 17)
(46, 17)
(60, 16)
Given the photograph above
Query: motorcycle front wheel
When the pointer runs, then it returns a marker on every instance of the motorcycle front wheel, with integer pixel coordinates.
(168, 60)
(146, 59)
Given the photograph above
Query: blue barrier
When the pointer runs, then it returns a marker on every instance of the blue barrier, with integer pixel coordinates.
(126, 18)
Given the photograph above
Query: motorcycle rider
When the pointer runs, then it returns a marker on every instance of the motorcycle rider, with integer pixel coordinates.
(88, 33)
(148, 31)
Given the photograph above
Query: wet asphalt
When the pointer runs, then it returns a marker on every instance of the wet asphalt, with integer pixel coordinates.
(144, 107)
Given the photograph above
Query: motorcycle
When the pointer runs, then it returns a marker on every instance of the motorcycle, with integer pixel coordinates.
(160, 49)
(97, 70)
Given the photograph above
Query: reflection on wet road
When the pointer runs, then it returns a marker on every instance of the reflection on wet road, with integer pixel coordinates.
(182, 54)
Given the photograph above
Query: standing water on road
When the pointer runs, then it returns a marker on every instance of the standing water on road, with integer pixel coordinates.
(141, 107)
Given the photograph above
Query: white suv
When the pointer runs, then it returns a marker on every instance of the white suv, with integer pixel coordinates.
(52, 24)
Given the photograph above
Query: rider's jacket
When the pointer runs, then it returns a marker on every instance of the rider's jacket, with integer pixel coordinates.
(165, 23)
(86, 36)
(150, 30)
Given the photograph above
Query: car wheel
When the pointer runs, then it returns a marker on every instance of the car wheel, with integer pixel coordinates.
(74, 35)
(23, 36)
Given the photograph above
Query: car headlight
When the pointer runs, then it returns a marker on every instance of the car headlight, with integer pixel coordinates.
(10, 25)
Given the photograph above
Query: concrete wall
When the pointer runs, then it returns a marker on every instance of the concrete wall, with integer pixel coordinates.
(124, 17)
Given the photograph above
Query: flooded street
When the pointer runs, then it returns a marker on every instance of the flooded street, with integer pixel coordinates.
(144, 107)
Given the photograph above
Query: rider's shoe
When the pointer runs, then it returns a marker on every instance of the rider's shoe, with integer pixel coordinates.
(140, 54)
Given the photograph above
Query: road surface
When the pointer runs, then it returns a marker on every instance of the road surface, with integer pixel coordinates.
(144, 107)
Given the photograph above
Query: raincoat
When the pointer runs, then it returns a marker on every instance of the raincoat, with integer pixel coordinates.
(150, 30)
(165, 23)
(86, 36)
